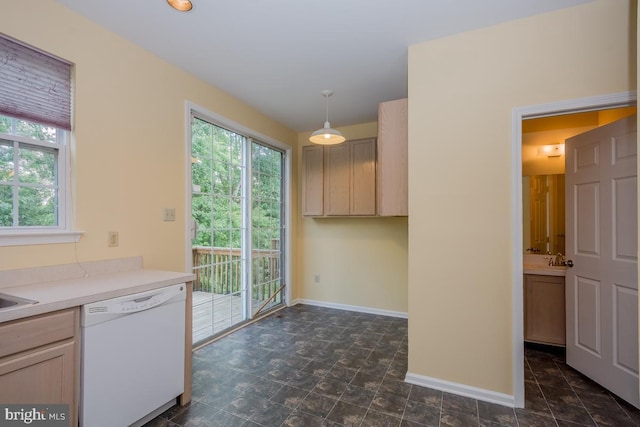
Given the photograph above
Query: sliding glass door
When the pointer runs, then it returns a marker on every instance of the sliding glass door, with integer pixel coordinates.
(237, 212)
(267, 228)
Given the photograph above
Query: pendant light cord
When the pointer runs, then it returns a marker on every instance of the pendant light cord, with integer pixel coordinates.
(326, 103)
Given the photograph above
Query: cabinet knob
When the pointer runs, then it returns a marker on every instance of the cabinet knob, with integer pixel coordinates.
(569, 263)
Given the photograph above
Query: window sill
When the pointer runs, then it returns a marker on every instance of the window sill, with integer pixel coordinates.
(39, 237)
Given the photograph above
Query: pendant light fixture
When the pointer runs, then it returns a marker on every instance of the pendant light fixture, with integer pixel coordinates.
(326, 135)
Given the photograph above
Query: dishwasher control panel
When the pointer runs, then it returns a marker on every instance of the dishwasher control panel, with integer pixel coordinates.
(141, 303)
(101, 311)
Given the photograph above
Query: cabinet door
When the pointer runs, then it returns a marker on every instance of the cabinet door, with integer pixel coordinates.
(42, 376)
(363, 177)
(312, 180)
(392, 176)
(544, 307)
(337, 179)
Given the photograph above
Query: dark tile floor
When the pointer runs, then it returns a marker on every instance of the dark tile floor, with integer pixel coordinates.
(310, 366)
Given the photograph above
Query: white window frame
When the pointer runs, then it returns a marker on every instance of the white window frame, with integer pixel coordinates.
(62, 232)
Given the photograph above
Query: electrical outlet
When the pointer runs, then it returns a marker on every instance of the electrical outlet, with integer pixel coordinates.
(169, 214)
(113, 239)
(316, 278)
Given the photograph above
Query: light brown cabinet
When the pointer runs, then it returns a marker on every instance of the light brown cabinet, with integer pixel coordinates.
(39, 360)
(392, 176)
(346, 186)
(364, 177)
(312, 180)
(337, 173)
(544, 309)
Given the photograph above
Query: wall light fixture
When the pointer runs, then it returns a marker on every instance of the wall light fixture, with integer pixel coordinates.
(554, 150)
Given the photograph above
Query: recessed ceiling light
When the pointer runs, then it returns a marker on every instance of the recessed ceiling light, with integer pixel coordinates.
(181, 5)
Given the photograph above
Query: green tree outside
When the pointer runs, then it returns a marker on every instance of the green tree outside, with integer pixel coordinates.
(36, 175)
(217, 204)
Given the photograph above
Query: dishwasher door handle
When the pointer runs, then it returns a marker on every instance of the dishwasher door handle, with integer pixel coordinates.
(145, 302)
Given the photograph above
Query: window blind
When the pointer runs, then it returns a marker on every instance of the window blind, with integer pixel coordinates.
(34, 85)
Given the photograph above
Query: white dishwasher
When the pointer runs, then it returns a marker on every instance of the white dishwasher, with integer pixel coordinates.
(132, 356)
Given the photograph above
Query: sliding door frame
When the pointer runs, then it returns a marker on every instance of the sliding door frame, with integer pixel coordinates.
(219, 120)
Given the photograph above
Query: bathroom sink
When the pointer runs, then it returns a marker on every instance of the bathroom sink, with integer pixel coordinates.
(9, 301)
(546, 270)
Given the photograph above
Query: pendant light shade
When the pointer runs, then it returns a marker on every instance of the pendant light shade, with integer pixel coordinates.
(181, 5)
(326, 135)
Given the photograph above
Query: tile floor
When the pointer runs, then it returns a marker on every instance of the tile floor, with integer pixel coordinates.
(310, 366)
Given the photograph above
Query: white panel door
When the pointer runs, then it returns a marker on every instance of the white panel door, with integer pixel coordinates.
(602, 231)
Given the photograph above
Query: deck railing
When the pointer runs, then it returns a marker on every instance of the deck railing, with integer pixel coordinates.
(219, 270)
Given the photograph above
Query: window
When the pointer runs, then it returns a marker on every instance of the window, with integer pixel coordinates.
(35, 123)
(33, 182)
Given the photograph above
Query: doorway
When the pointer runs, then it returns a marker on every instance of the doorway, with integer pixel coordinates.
(519, 115)
(237, 247)
(543, 170)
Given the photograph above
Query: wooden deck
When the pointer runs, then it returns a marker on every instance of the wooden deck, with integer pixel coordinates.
(226, 312)
(208, 321)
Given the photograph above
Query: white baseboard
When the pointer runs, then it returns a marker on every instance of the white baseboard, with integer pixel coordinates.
(461, 389)
(356, 308)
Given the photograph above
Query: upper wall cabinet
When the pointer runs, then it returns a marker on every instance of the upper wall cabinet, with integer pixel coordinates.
(341, 181)
(392, 179)
(337, 177)
(312, 180)
(361, 177)
(350, 178)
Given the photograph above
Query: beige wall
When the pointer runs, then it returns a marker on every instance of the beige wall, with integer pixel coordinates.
(129, 148)
(361, 261)
(460, 202)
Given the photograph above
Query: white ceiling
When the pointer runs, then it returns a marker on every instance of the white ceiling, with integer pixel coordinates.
(278, 55)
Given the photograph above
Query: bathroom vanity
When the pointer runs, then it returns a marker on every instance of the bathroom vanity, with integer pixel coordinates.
(544, 309)
(544, 301)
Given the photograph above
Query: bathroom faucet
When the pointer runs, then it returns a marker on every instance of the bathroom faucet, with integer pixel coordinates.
(558, 260)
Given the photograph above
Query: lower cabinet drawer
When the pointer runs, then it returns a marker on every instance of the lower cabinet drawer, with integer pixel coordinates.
(24, 334)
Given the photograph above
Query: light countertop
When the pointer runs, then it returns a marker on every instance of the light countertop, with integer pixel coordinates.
(539, 264)
(544, 270)
(73, 292)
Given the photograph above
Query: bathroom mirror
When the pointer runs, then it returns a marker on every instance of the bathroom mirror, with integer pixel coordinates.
(543, 214)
